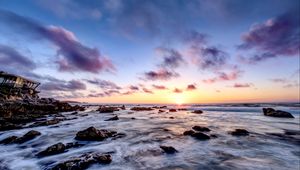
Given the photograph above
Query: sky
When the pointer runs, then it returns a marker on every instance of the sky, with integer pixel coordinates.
(153, 51)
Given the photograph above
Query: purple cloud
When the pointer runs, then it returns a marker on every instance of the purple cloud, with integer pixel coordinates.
(104, 84)
(191, 87)
(147, 91)
(159, 87)
(134, 88)
(63, 86)
(278, 80)
(161, 74)
(223, 76)
(171, 57)
(72, 55)
(242, 85)
(11, 58)
(278, 36)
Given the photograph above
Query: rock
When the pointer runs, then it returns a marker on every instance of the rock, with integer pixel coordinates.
(9, 126)
(112, 118)
(172, 110)
(277, 113)
(168, 149)
(188, 132)
(171, 117)
(28, 136)
(201, 128)
(123, 107)
(105, 109)
(239, 132)
(130, 113)
(74, 113)
(54, 149)
(93, 134)
(46, 123)
(141, 108)
(160, 111)
(73, 145)
(183, 109)
(9, 140)
(200, 136)
(133, 118)
(83, 162)
(197, 111)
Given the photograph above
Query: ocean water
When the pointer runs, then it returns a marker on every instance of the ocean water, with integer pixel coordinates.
(139, 149)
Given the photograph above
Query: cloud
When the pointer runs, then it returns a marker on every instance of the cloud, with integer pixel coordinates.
(202, 54)
(171, 57)
(72, 85)
(292, 85)
(278, 80)
(191, 87)
(72, 54)
(147, 91)
(104, 84)
(242, 85)
(11, 58)
(71, 9)
(223, 76)
(159, 87)
(275, 37)
(161, 74)
(134, 88)
(176, 90)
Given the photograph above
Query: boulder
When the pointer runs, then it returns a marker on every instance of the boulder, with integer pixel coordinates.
(52, 150)
(188, 132)
(141, 108)
(239, 132)
(277, 113)
(28, 136)
(123, 107)
(73, 145)
(168, 149)
(113, 118)
(105, 109)
(83, 162)
(9, 140)
(197, 111)
(200, 136)
(93, 134)
(201, 128)
(160, 111)
(172, 110)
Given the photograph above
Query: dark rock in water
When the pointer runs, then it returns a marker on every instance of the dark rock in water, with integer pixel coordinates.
(8, 126)
(130, 113)
(239, 132)
(197, 111)
(171, 117)
(200, 136)
(160, 111)
(141, 108)
(46, 123)
(119, 135)
(54, 149)
(113, 118)
(277, 113)
(83, 162)
(73, 145)
(105, 109)
(172, 110)
(28, 136)
(93, 134)
(188, 132)
(133, 118)
(201, 128)
(9, 140)
(183, 109)
(74, 113)
(123, 107)
(168, 149)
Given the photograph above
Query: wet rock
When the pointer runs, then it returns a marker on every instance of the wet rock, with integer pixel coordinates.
(141, 108)
(277, 113)
(46, 123)
(123, 107)
(9, 140)
(9, 126)
(171, 117)
(53, 150)
(201, 128)
(105, 109)
(130, 113)
(74, 113)
(73, 145)
(200, 136)
(119, 135)
(93, 134)
(188, 132)
(239, 132)
(133, 118)
(160, 111)
(168, 149)
(28, 136)
(113, 118)
(172, 110)
(83, 162)
(183, 109)
(197, 111)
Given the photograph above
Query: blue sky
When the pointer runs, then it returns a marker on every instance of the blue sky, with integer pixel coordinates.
(221, 47)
